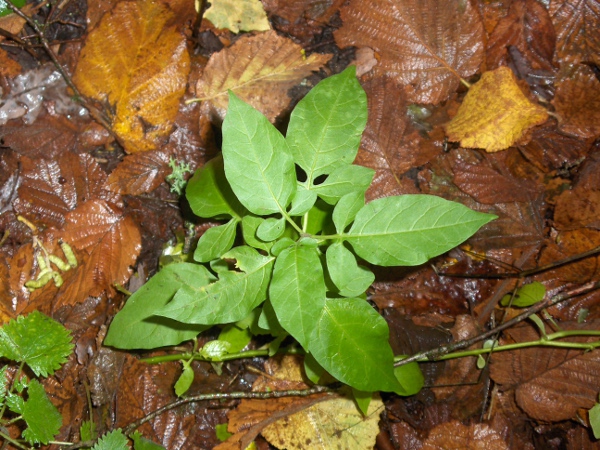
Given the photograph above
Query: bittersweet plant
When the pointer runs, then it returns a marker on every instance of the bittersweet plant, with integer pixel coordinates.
(295, 268)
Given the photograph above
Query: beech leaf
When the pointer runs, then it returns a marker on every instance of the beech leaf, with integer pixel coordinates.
(139, 173)
(238, 15)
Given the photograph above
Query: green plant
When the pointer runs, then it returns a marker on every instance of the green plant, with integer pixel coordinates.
(5, 10)
(44, 346)
(300, 204)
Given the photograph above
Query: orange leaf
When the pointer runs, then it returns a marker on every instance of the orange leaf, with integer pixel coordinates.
(425, 44)
(136, 62)
(259, 69)
(140, 173)
(495, 113)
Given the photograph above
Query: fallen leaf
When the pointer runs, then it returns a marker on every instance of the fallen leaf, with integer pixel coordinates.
(238, 15)
(456, 436)
(495, 113)
(576, 23)
(136, 63)
(577, 103)
(426, 45)
(8, 67)
(528, 27)
(577, 208)
(550, 383)
(260, 70)
(139, 173)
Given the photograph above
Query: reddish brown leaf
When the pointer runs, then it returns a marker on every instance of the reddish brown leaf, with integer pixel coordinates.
(550, 383)
(426, 45)
(578, 208)
(139, 173)
(576, 23)
(577, 103)
(529, 28)
(53, 187)
(456, 436)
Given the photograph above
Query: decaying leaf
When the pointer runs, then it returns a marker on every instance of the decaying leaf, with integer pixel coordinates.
(550, 384)
(577, 103)
(139, 173)
(495, 113)
(259, 69)
(426, 45)
(136, 63)
(238, 15)
(576, 23)
(456, 436)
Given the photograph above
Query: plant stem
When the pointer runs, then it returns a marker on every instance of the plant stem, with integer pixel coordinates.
(12, 441)
(228, 357)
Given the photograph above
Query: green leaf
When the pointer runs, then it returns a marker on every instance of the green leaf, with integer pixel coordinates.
(409, 230)
(185, 380)
(594, 415)
(326, 126)
(350, 341)
(297, 291)
(216, 241)
(115, 440)
(15, 402)
(137, 326)
(222, 433)
(271, 229)
(268, 323)
(343, 181)
(250, 224)
(302, 201)
(215, 349)
(3, 385)
(346, 209)
(236, 337)
(42, 418)
(313, 369)
(362, 399)
(410, 378)
(526, 295)
(281, 245)
(319, 217)
(141, 443)
(5, 11)
(87, 430)
(258, 165)
(228, 300)
(351, 279)
(209, 193)
(42, 343)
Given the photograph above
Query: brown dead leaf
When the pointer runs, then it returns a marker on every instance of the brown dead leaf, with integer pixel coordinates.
(577, 103)
(390, 145)
(576, 23)
(136, 62)
(494, 114)
(550, 383)
(139, 173)
(426, 45)
(8, 67)
(577, 208)
(527, 27)
(51, 188)
(456, 436)
(260, 70)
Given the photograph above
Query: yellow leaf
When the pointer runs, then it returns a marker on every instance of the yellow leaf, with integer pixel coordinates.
(136, 63)
(495, 113)
(259, 69)
(236, 15)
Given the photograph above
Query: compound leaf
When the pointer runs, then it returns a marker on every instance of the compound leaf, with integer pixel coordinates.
(350, 341)
(271, 229)
(228, 300)
(297, 291)
(351, 279)
(39, 341)
(42, 418)
(326, 125)
(409, 230)
(137, 327)
(258, 164)
(346, 209)
(344, 180)
(216, 241)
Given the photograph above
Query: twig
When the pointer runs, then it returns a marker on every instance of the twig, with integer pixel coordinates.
(436, 353)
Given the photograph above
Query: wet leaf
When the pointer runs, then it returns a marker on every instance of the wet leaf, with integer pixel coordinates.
(136, 63)
(236, 15)
(494, 114)
(577, 103)
(550, 384)
(139, 173)
(456, 436)
(259, 69)
(575, 22)
(425, 45)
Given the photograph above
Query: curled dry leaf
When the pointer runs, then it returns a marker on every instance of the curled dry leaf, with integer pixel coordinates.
(550, 384)
(139, 173)
(456, 436)
(260, 70)
(577, 103)
(527, 27)
(576, 23)
(495, 113)
(136, 63)
(427, 45)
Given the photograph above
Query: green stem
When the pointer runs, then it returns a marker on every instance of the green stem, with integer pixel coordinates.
(12, 441)
(228, 357)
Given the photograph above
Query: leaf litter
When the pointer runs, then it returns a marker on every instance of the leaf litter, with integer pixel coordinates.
(110, 202)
